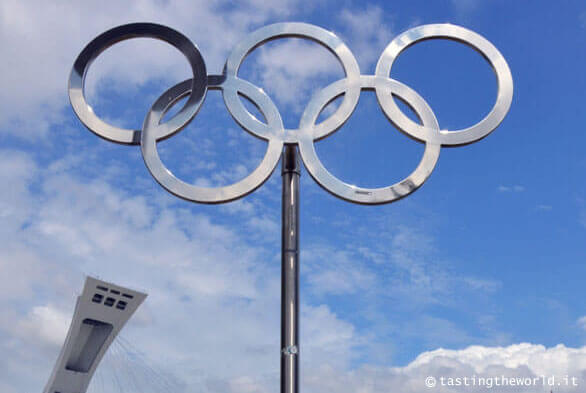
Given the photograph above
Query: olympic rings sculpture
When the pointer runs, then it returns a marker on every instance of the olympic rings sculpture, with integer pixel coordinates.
(273, 130)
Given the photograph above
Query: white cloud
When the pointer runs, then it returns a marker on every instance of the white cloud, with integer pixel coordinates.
(233, 311)
(46, 325)
(582, 19)
(34, 97)
(404, 264)
(326, 339)
(213, 294)
(539, 360)
(201, 277)
(16, 171)
(333, 271)
(40, 41)
(292, 70)
(265, 225)
(582, 322)
(582, 212)
(239, 206)
(464, 7)
(513, 188)
(368, 33)
(521, 360)
(481, 284)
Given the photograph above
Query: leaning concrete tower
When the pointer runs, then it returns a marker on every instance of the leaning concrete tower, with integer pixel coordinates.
(101, 312)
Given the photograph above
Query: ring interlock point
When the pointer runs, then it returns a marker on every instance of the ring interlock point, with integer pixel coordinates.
(283, 142)
(273, 131)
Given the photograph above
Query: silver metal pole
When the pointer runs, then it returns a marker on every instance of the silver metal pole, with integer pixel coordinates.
(290, 272)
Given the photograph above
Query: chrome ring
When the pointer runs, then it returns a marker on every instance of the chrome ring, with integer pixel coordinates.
(370, 196)
(105, 40)
(301, 30)
(470, 38)
(272, 130)
(188, 191)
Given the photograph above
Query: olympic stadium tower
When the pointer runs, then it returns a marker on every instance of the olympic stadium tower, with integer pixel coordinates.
(101, 312)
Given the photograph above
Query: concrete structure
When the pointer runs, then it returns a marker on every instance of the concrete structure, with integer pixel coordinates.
(100, 313)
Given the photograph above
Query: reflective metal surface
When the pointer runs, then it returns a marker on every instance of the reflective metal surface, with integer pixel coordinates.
(210, 194)
(486, 49)
(290, 272)
(285, 141)
(301, 30)
(273, 131)
(384, 87)
(121, 33)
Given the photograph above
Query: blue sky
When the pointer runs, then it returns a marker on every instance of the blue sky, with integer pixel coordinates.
(481, 269)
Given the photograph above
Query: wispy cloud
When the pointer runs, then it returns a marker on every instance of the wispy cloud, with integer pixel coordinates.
(47, 324)
(582, 19)
(520, 360)
(511, 188)
(34, 75)
(191, 266)
(368, 31)
(582, 211)
(213, 279)
(582, 322)
(292, 70)
(465, 6)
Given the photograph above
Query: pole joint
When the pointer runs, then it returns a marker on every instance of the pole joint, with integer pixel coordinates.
(290, 162)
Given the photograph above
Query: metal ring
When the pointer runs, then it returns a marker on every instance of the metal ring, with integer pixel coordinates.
(370, 196)
(134, 30)
(209, 194)
(476, 41)
(302, 30)
(308, 131)
(231, 87)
